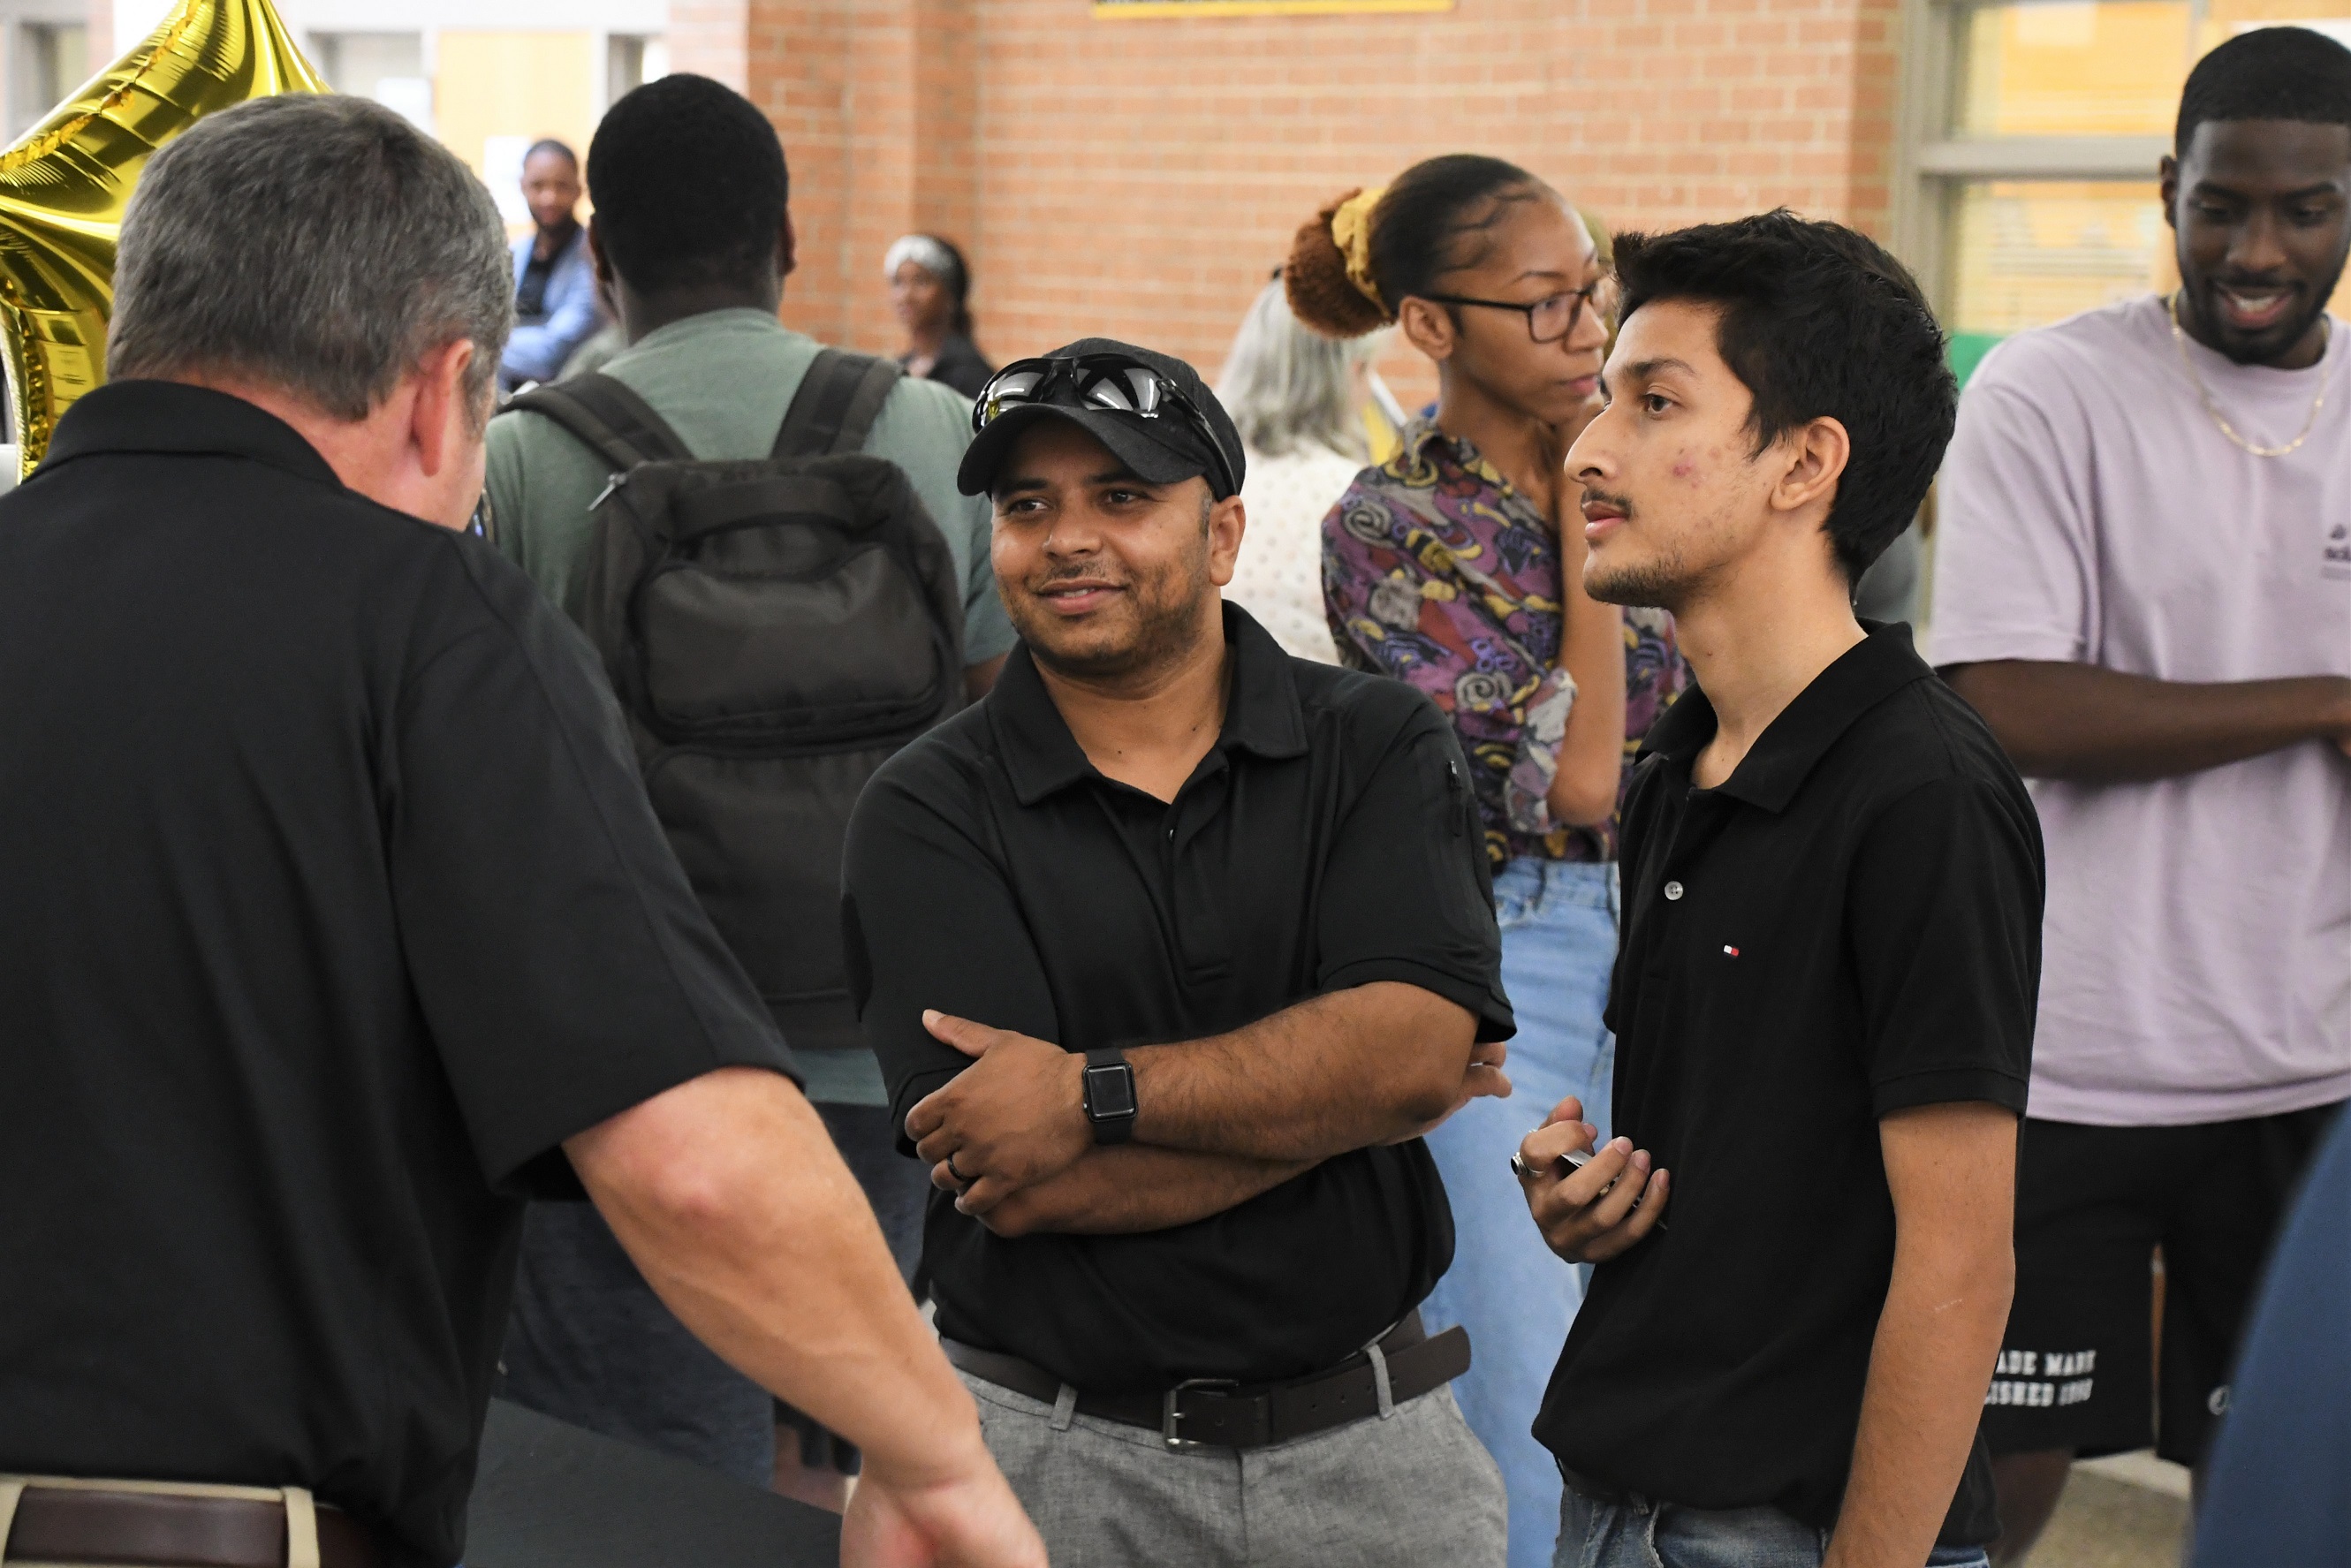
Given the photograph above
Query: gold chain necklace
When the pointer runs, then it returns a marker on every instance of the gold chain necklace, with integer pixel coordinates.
(2326, 372)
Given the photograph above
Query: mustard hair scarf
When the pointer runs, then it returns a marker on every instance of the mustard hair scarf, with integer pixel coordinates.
(1350, 231)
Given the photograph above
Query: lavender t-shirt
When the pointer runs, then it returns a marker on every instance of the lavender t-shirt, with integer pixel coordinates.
(2197, 963)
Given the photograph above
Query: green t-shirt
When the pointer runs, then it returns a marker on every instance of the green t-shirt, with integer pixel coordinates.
(723, 382)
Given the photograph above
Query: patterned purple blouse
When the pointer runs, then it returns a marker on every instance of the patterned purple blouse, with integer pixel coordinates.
(1434, 570)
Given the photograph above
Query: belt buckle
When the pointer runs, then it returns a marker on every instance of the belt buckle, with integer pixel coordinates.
(1169, 1415)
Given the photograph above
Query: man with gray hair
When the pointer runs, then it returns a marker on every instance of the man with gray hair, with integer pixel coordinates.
(337, 922)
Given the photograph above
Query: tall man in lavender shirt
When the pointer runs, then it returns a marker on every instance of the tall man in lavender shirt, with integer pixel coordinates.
(2145, 586)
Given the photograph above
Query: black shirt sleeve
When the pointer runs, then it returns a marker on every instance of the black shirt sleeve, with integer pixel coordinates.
(1405, 893)
(929, 921)
(1945, 915)
(561, 960)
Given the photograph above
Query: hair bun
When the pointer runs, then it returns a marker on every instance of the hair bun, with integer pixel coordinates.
(1321, 294)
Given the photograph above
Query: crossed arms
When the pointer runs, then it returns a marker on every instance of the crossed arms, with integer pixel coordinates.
(1218, 1121)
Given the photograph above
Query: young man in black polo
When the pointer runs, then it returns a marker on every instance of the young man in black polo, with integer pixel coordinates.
(1824, 999)
(1173, 947)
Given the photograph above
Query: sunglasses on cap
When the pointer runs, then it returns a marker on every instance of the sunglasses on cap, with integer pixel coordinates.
(1111, 382)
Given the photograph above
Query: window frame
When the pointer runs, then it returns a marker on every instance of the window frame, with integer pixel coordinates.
(1932, 165)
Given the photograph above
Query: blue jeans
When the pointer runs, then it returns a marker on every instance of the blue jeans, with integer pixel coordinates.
(1642, 1533)
(1515, 1296)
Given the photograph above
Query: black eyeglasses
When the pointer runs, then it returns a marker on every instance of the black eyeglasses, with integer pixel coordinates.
(1109, 382)
(1548, 320)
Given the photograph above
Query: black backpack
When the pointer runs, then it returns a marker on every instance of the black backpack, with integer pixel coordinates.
(774, 629)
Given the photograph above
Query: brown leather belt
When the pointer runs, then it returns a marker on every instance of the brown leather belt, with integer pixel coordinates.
(168, 1529)
(1203, 1411)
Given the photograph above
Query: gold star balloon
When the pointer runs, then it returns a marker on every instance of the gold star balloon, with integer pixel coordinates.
(64, 185)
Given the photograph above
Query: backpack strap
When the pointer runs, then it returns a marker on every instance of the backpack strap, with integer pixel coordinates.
(621, 426)
(838, 399)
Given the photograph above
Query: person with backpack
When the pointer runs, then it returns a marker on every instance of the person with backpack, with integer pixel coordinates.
(780, 602)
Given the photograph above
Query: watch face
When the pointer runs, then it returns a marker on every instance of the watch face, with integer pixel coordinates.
(1110, 1091)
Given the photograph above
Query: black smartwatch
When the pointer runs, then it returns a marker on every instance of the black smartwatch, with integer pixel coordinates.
(1110, 1095)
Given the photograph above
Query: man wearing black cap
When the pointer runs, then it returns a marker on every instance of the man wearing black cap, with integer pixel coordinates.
(1171, 949)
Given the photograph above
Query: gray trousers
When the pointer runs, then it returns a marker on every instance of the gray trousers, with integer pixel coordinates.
(1407, 1491)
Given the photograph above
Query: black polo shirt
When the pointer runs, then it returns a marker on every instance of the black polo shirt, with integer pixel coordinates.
(1327, 840)
(332, 906)
(1848, 925)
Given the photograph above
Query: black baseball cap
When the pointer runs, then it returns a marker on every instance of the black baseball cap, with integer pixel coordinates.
(1164, 449)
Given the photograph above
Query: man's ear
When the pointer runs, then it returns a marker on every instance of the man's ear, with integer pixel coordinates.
(1429, 327)
(788, 246)
(596, 254)
(2167, 176)
(438, 417)
(1815, 455)
(1228, 522)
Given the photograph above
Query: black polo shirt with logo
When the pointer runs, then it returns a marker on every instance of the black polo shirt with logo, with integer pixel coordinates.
(1848, 925)
(330, 906)
(1328, 840)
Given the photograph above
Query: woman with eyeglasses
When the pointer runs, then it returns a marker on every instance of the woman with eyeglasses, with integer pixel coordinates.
(1457, 566)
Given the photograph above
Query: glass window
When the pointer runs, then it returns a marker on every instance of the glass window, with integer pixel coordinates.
(2027, 252)
(2224, 19)
(2074, 69)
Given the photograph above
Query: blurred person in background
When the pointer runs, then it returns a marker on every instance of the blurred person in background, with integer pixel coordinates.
(554, 283)
(2144, 585)
(1298, 399)
(1456, 566)
(930, 293)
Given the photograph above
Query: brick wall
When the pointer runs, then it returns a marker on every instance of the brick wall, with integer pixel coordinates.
(1139, 178)
(711, 39)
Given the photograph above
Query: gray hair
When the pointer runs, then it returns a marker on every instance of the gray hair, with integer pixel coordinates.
(1287, 386)
(315, 243)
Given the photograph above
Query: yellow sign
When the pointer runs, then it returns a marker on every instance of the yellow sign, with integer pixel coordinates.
(63, 188)
(1127, 10)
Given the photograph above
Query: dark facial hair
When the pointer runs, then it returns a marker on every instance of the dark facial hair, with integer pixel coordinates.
(1661, 582)
(1166, 619)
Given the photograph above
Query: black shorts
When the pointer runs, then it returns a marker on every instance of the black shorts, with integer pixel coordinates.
(2077, 1365)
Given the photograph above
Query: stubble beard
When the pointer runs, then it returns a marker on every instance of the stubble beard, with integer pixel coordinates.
(1661, 583)
(1167, 617)
(2266, 347)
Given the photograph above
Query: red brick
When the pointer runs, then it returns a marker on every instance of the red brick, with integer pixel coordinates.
(1139, 177)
